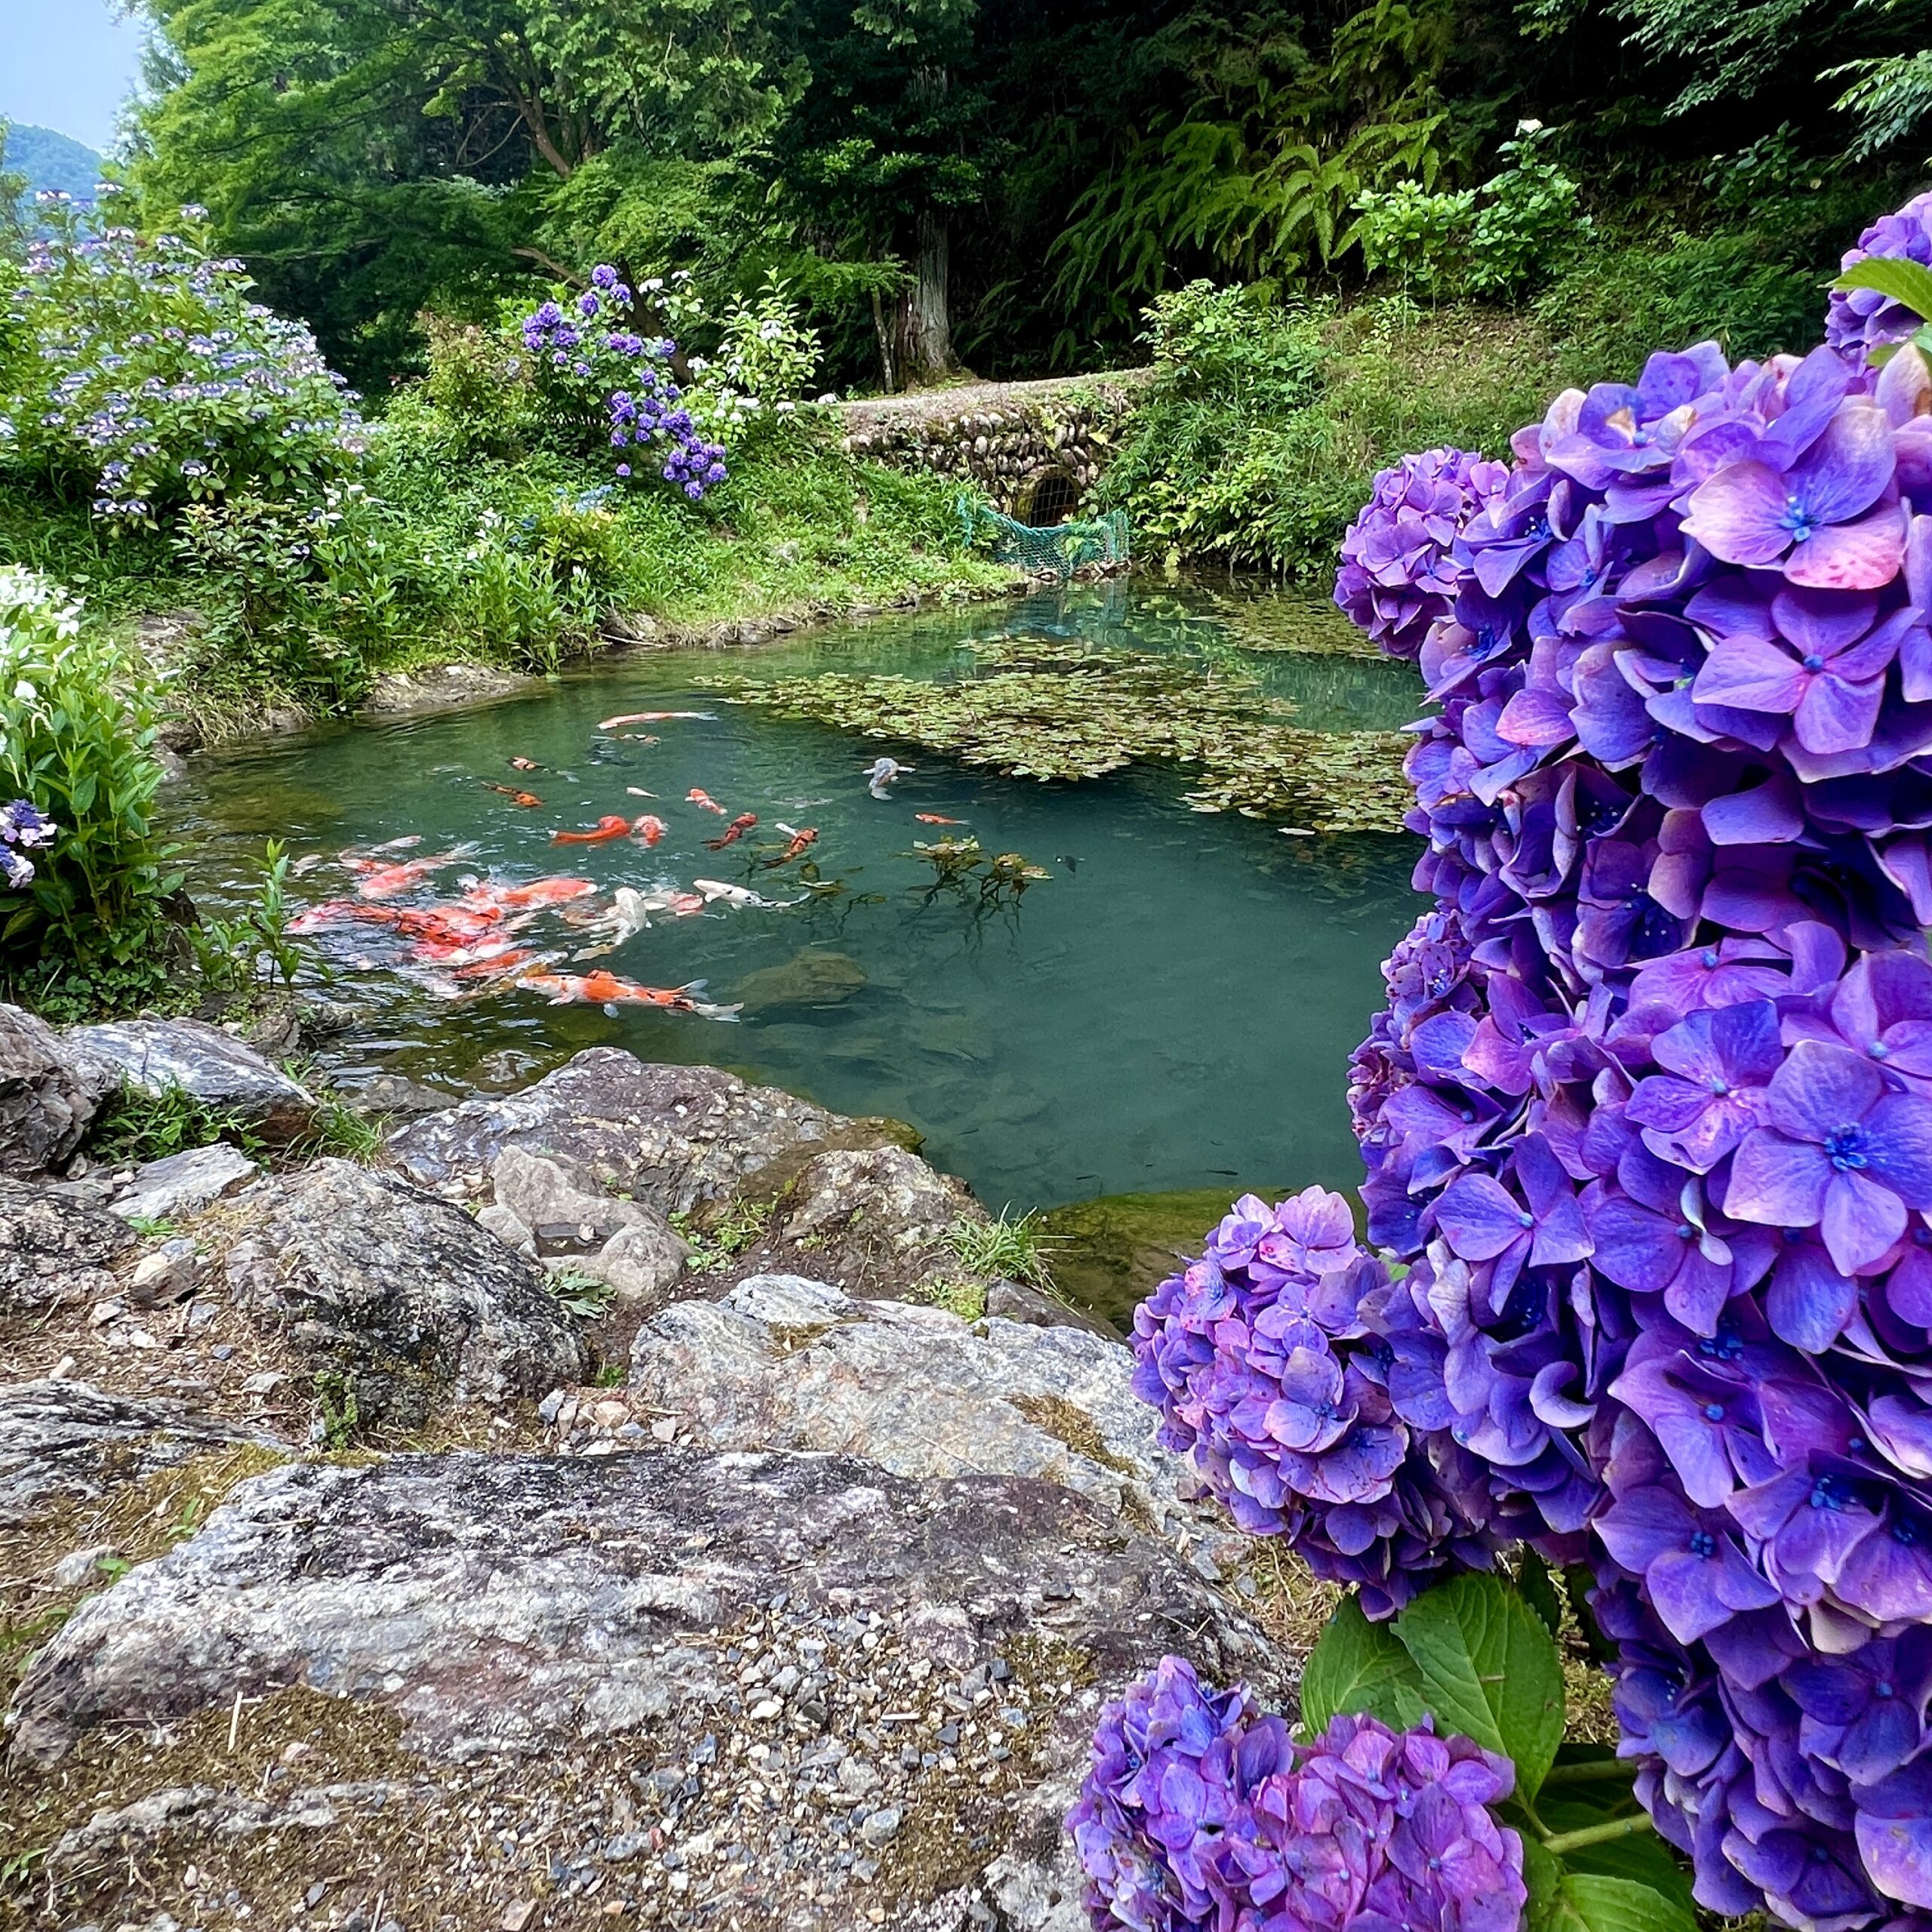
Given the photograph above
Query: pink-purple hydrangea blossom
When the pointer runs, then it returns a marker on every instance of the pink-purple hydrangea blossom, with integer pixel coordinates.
(1647, 1116)
(1199, 1813)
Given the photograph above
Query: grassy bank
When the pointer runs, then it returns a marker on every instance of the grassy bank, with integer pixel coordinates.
(520, 562)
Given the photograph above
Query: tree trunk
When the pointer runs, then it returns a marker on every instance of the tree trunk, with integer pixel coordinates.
(925, 324)
(883, 331)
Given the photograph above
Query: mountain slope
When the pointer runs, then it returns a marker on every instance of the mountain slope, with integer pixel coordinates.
(49, 160)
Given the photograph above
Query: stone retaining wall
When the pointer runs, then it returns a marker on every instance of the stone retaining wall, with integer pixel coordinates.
(1035, 449)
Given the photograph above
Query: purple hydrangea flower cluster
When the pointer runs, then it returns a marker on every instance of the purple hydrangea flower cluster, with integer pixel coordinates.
(1860, 320)
(578, 351)
(1399, 573)
(1648, 1118)
(23, 828)
(1198, 1813)
(1262, 1362)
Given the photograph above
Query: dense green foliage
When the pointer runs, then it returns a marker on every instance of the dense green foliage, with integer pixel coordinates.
(1004, 184)
(77, 732)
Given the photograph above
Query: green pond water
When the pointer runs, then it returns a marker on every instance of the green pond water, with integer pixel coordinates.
(1169, 1011)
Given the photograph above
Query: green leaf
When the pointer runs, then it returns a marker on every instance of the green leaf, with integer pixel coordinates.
(1538, 1584)
(1358, 1665)
(1909, 282)
(1584, 1902)
(1490, 1670)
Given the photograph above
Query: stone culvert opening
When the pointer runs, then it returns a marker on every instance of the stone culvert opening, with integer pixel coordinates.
(1048, 498)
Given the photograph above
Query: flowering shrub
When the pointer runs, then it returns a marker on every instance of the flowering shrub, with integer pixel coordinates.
(1647, 1117)
(599, 379)
(23, 830)
(77, 733)
(1198, 1813)
(142, 373)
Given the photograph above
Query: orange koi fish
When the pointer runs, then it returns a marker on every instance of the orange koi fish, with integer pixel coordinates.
(526, 799)
(802, 841)
(488, 895)
(703, 801)
(330, 912)
(387, 881)
(936, 818)
(652, 718)
(648, 829)
(612, 825)
(732, 833)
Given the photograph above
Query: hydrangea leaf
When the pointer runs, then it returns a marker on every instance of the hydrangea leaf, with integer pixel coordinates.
(1909, 282)
(1490, 1670)
(1358, 1665)
(1537, 1583)
(1583, 1902)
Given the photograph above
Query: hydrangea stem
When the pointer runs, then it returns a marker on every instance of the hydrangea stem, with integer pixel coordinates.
(1617, 1828)
(1599, 1771)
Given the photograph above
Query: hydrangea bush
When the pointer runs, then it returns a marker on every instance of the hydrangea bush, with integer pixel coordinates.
(1647, 1115)
(138, 370)
(598, 378)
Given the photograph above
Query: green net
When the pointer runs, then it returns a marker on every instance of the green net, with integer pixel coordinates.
(1055, 550)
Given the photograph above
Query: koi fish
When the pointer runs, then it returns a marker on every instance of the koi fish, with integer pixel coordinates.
(307, 863)
(732, 833)
(639, 792)
(330, 912)
(524, 764)
(654, 718)
(386, 882)
(703, 801)
(526, 799)
(735, 895)
(612, 825)
(882, 772)
(648, 829)
(936, 818)
(487, 894)
(606, 988)
(802, 841)
(495, 965)
(452, 926)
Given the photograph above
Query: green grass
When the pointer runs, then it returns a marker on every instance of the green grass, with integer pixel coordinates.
(136, 1127)
(1012, 1248)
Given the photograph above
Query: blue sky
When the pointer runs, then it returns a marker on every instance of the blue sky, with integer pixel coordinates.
(67, 65)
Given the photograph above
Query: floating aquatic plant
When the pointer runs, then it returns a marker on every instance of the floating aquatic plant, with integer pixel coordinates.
(1039, 709)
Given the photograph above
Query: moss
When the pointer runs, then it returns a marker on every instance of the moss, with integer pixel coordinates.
(1066, 1422)
(1111, 1252)
(959, 1295)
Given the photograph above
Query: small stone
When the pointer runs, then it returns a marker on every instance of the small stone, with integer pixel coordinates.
(105, 1311)
(517, 1916)
(264, 1383)
(882, 1825)
(314, 1896)
(82, 1566)
(665, 1428)
(551, 1405)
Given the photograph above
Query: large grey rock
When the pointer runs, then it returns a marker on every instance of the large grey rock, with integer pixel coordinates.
(184, 1183)
(66, 1442)
(544, 1193)
(786, 1363)
(401, 1292)
(878, 1217)
(155, 1056)
(670, 1136)
(56, 1250)
(48, 1094)
(749, 1663)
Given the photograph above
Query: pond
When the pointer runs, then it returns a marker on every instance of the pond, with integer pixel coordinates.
(1169, 1008)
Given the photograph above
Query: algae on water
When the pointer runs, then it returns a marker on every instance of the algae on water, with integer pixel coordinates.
(1042, 708)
